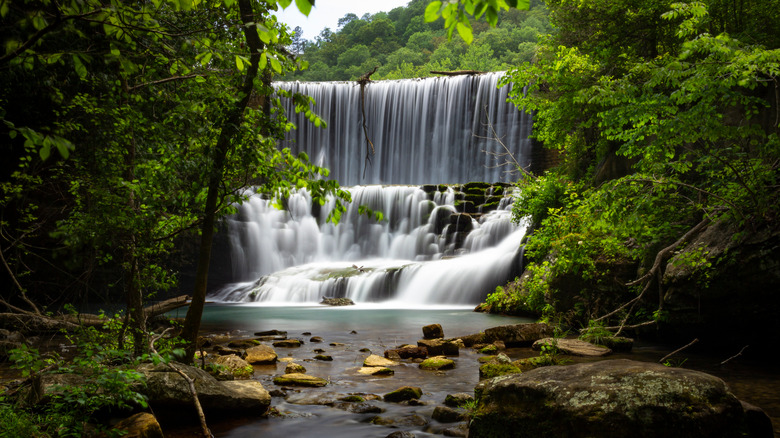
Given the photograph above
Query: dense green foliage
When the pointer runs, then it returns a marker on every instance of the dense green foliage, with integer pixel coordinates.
(403, 45)
(666, 116)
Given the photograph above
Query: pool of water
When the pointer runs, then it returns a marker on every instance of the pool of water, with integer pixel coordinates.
(380, 327)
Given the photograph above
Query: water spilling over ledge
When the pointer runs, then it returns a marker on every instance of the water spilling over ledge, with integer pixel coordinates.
(425, 251)
(426, 131)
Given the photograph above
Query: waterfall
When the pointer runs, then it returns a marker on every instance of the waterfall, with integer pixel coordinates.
(439, 243)
(413, 255)
(425, 131)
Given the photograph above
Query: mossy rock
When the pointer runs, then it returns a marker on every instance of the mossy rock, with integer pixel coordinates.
(352, 398)
(492, 369)
(323, 357)
(486, 359)
(437, 363)
(243, 343)
(403, 393)
(288, 343)
(489, 349)
(293, 368)
(298, 379)
(614, 343)
(531, 363)
(476, 185)
(239, 368)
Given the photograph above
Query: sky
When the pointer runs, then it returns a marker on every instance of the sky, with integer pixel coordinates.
(326, 13)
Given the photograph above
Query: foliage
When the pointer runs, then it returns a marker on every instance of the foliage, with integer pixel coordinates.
(682, 93)
(403, 45)
(455, 14)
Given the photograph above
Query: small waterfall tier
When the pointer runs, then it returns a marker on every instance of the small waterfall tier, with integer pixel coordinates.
(435, 245)
(425, 131)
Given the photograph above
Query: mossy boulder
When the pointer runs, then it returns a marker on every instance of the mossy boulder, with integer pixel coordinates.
(293, 368)
(495, 369)
(403, 393)
(607, 399)
(298, 379)
(288, 343)
(437, 363)
(433, 331)
(239, 368)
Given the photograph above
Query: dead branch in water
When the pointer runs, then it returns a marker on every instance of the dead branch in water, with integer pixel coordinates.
(734, 356)
(678, 350)
(370, 151)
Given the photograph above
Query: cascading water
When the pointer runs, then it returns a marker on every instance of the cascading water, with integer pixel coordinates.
(434, 246)
(412, 256)
(426, 131)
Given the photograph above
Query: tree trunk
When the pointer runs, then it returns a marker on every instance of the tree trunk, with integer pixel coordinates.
(230, 128)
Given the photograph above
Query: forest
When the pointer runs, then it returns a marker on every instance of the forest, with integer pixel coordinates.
(129, 129)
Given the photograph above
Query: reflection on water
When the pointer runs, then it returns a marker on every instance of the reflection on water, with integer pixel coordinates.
(379, 328)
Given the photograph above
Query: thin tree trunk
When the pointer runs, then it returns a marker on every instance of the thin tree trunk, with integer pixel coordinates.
(228, 134)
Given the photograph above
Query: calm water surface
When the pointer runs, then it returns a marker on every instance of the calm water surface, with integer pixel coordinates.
(378, 328)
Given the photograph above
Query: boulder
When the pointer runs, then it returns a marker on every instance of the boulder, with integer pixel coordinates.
(607, 399)
(298, 379)
(261, 355)
(403, 393)
(271, 333)
(378, 361)
(573, 347)
(166, 389)
(433, 331)
(440, 347)
(458, 400)
(518, 335)
(337, 301)
(238, 367)
(407, 352)
(293, 367)
(376, 371)
(140, 425)
(323, 357)
(437, 363)
(444, 414)
(288, 343)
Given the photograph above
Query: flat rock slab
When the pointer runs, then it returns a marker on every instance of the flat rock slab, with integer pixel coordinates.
(261, 354)
(375, 371)
(573, 347)
(607, 399)
(378, 361)
(298, 379)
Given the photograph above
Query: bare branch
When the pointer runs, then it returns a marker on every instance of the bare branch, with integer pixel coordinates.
(735, 356)
(678, 350)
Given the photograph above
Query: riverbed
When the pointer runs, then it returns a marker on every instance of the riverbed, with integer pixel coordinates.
(358, 330)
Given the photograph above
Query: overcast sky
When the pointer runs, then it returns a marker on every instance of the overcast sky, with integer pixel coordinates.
(326, 13)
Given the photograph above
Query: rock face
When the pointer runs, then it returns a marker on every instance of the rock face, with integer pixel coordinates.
(166, 389)
(518, 335)
(607, 399)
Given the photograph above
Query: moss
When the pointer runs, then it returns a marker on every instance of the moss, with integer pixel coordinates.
(403, 393)
(486, 359)
(539, 361)
(437, 363)
(492, 369)
(489, 349)
(353, 399)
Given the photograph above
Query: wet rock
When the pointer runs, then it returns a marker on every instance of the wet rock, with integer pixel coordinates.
(300, 379)
(495, 369)
(319, 350)
(277, 393)
(288, 343)
(337, 344)
(518, 335)
(308, 398)
(359, 408)
(140, 425)
(606, 399)
(261, 355)
(239, 368)
(461, 430)
(243, 343)
(324, 357)
(401, 434)
(400, 421)
(225, 351)
(457, 400)
(432, 331)
(366, 350)
(403, 393)
(272, 333)
(444, 414)
(437, 363)
(294, 368)
(615, 343)
(337, 301)
(489, 349)
(376, 371)
(439, 347)
(374, 360)
(471, 340)
(315, 339)
(407, 352)
(166, 389)
(573, 347)
(757, 421)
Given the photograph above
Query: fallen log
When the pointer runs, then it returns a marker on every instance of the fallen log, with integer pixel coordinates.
(458, 72)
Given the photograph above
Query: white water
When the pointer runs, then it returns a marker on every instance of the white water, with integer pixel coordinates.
(425, 131)
(293, 256)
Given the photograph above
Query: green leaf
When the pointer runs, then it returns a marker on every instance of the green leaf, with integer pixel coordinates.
(284, 3)
(239, 63)
(263, 61)
(464, 30)
(432, 11)
(304, 6)
(80, 68)
(275, 64)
